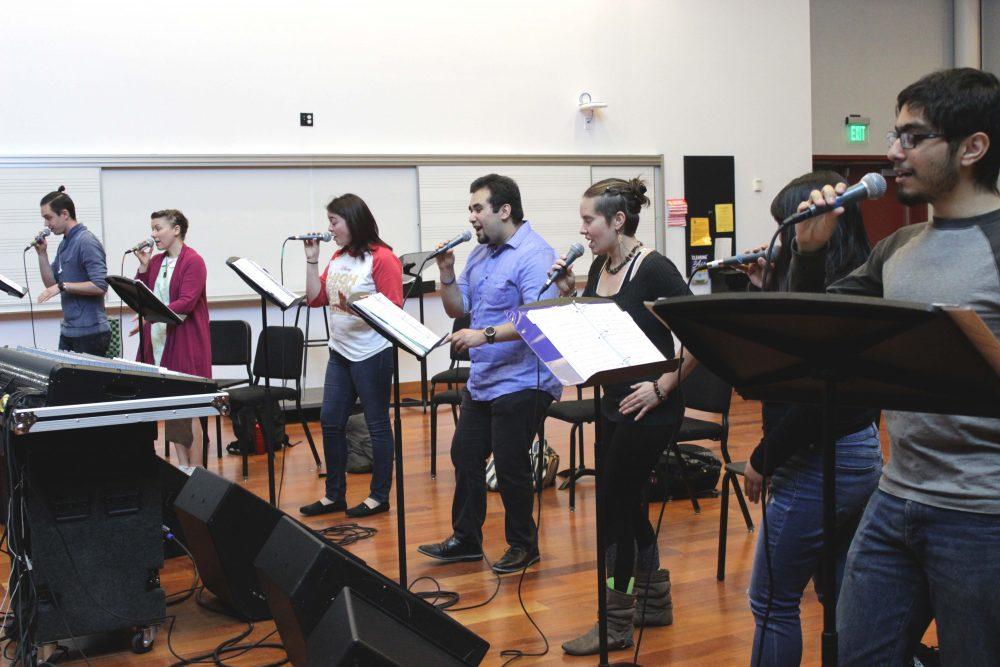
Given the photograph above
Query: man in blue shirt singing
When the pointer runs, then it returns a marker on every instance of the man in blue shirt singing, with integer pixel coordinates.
(508, 391)
(78, 274)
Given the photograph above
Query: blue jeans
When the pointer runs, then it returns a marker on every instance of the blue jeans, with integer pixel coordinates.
(346, 381)
(910, 561)
(795, 534)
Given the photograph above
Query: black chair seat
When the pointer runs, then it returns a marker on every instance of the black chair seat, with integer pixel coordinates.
(574, 412)
(255, 394)
(457, 375)
(699, 429)
(224, 383)
(449, 397)
(737, 468)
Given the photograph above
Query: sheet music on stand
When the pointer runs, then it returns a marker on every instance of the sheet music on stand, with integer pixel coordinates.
(408, 330)
(10, 287)
(260, 277)
(577, 340)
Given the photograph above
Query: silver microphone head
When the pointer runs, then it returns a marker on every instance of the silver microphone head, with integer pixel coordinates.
(875, 184)
(575, 251)
(466, 235)
(325, 237)
(42, 234)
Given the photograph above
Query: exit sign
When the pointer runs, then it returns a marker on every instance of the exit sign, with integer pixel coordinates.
(857, 129)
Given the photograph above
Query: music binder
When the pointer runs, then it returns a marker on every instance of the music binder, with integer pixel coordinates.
(401, 327)
(141, 299)
(262, 282)
(10, 287)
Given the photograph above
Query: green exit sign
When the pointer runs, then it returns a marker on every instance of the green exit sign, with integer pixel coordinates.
(857, 129)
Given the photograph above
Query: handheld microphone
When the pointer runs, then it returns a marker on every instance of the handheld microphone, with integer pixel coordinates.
(38, 238)
(311, 236)
(575, 253)
(743, 258)
(142, 245)
(871, 186)
(461, 238)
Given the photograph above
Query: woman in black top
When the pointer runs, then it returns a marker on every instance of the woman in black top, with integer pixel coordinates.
(637, 419)
(788, 454)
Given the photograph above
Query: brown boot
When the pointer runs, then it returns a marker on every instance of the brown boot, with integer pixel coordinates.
(653, 605)
(621, 606)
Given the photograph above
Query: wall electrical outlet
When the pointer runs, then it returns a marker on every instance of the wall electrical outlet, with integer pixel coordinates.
(306, 119)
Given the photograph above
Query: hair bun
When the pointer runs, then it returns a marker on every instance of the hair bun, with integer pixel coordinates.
(62, 188)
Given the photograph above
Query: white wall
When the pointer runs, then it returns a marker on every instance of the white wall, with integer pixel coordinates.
(991, 35)
(863, 54)
(713, 77)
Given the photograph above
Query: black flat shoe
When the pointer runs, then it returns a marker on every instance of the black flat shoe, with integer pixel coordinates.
(317, 508)
(363, 510)
(515, 560)
(452, 551)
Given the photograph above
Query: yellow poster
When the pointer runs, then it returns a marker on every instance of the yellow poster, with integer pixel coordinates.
(700, 235)
(723, 218)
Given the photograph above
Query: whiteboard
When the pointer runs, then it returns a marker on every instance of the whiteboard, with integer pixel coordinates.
(21, 220)
(249, 213)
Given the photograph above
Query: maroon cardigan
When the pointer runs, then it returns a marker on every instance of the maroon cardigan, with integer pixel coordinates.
(188, 348)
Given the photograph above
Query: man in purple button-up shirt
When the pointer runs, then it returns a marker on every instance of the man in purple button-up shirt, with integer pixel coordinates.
(508, 390)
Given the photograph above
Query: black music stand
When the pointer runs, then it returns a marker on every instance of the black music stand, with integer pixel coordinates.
(144, 303)
(397, 424)
(270, 291)
(10, 287)
(421, 287)
(841, 351)
(552, 358)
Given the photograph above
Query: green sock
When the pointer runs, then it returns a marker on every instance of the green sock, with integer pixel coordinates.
(631, 584)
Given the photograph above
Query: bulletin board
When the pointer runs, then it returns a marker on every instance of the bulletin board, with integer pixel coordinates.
(710, 191)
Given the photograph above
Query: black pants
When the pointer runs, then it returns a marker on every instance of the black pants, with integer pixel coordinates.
(631, 453)
(96, 344)
(504, 427)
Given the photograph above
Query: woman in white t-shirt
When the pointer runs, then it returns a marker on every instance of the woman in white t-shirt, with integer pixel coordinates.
(361, 360)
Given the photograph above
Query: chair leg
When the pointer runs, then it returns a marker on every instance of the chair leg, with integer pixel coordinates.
(218, 437)
(434, 429)
(166, 448)
(572, 466)
(204, 440)
(675, 447)
(309, 437)
(723, 528)
(743, 503)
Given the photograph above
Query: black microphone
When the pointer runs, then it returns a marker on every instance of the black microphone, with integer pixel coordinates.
(743, 258)
(141, 245)
(38, 238)
(461, 238)
(575, 253)
(311, 236)
(871, 186)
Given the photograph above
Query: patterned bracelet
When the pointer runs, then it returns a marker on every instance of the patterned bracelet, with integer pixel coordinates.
(656, 390)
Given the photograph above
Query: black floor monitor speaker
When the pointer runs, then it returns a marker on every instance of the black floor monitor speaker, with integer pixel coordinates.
(353, 631)
(302, 574)
(226, 526)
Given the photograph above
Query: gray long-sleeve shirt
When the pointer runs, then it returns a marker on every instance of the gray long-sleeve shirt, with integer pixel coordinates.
(946, 461)
(79, 258)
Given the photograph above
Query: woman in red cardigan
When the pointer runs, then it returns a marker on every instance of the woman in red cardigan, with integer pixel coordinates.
(177, 277)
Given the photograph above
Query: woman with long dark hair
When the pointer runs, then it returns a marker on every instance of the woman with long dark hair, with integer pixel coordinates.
(361, 362)
(789, 455)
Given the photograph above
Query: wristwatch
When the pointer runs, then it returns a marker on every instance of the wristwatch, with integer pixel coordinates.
(491, 334)
(62, 286)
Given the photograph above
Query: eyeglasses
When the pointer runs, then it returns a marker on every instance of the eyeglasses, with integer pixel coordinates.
(909, 140)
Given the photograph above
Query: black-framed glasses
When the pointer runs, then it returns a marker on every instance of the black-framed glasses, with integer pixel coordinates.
(909, 140)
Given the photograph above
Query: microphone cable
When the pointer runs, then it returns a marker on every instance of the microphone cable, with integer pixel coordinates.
(27, 289)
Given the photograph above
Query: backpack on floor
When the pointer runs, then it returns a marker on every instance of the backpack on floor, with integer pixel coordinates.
(703, 470)
(245, 420)
(550, 466)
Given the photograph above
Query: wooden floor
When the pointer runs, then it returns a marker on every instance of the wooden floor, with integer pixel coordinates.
(712, 626)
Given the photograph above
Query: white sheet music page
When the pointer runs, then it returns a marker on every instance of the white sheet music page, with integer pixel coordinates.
(10, 285)
(408, 330)
(595, 337)
(263, 279)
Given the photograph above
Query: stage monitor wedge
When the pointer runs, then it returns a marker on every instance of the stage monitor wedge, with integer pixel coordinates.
(226, 526)
(302, 574)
